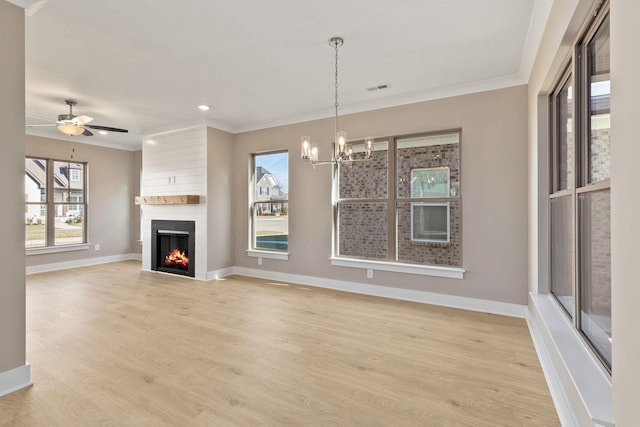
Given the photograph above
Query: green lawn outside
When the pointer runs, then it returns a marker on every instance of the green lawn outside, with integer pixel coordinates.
(37, 231)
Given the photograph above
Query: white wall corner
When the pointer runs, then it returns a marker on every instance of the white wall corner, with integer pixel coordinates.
(539, 17)
(15, 379)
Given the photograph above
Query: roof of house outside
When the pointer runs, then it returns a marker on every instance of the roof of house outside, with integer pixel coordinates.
(270, 179)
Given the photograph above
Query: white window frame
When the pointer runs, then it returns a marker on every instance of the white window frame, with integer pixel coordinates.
(51, 205)
(254, 191)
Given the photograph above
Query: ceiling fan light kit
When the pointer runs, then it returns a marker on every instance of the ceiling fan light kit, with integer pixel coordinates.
(70, 129)
(72, 125)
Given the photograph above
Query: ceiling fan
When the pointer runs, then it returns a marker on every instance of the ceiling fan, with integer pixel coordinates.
(77, 125)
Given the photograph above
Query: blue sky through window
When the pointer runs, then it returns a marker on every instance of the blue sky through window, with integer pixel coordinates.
(278, 165)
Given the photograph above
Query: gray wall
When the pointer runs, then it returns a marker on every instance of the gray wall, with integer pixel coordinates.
(114, 181)
(625, 208)
(493, 188)
(12, 292)
(220, 242)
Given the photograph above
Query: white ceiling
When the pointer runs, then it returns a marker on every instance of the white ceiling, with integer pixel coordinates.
(146, 65)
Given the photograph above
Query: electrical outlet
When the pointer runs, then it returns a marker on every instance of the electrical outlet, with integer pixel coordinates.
(260, 260)
(97, 247)
(369, 274)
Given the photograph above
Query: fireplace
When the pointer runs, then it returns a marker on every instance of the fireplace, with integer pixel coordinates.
(173, 245)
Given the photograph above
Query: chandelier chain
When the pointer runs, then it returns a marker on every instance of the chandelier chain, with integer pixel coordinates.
(336, 97)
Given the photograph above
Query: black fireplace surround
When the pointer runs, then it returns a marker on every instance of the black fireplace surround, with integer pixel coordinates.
(168, 236)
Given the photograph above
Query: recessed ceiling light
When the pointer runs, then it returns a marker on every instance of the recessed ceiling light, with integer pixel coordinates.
(203, 107)
(103, 132)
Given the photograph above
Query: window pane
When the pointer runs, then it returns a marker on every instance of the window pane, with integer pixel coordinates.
(430, 222)
(366, 180)
(69, 224)
(362, 230)
(271, 210)
(562, 251)
(35, 180)
(429, 250)
(271, 226)
(564, 129)
(68, 181)
(419, 158)
(430, 182)
(35, 191)
(35, 226)
(272, 176)
(595, 270)
(599, 96)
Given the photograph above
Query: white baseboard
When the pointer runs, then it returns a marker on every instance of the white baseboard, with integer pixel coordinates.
(485, 306)
(15, 379)
(80, 263)
(474, 304)
(217, 274)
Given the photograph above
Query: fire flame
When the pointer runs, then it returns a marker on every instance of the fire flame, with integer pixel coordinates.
(176, 258)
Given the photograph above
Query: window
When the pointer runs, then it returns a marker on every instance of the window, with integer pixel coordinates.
(580, 225)
(430, 222)
(55, 205)
(269, 202)
(562, 194)
(404, 205)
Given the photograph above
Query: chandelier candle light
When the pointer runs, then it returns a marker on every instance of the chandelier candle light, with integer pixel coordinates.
(342, 152)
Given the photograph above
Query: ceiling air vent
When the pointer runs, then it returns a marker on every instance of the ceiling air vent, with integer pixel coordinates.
(379, 87)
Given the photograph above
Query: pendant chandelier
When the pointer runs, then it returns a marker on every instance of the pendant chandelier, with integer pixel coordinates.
(342, 151)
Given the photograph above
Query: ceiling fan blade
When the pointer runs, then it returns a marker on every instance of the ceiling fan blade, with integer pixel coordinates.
(82, 120)
(107, 128)
(87, 132)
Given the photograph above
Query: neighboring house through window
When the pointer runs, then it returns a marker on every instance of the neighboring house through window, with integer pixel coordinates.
(55, 206)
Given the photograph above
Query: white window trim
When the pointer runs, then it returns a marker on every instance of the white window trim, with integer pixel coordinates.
(398, 267)
(283, 256)
(56, 249)
(253, 190)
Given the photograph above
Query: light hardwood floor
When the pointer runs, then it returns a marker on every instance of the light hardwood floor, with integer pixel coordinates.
(111, 345)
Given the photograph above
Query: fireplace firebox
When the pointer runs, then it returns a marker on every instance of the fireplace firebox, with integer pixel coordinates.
(173, 245)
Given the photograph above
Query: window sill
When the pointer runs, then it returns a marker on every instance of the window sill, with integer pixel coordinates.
(56, 249)
(572, 365)
(283, 256)
(398, 267)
